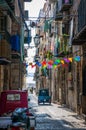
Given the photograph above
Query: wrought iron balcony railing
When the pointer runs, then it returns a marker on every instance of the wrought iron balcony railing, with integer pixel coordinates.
(80, 37)
(52, 1)
(57, 14)
(64, 5)
(82, 15)
(27, 0)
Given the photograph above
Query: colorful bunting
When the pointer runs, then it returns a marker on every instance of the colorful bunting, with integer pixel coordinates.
(49, 66)
(38, 63)
(58, 61)
(77, 58)
(44, 63)
(50, 62)
(55, 64)
(70, 59)
(62, 61)
(66, 60)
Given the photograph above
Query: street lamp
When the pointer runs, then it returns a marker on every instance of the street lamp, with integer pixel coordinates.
(37, 40)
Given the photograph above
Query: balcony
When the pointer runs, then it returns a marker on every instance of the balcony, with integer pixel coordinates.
(4, 61)
(5, 27)
(27, 0)
(58, 16)
(7, 4)
(5, 35)
(15, 55)
(64, 5)
(11, 4)
(5, 49)
(52, 1)
(80, 38)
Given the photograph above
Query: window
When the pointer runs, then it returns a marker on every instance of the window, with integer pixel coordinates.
(2, 23)
(13, 97)
(43, 93)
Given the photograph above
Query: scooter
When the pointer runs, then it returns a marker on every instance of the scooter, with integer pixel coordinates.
(21, 119)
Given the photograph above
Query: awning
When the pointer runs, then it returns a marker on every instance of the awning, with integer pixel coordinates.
(4, 61)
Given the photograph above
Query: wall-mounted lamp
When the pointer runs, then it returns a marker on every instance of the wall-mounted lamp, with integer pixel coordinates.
(37, 40)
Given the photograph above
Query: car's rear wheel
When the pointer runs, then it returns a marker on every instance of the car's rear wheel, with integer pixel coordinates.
(50, 102)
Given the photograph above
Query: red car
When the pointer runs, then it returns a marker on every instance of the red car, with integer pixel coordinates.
(11, 100)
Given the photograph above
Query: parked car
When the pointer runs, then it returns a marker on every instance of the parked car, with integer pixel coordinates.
(11, 99)
(43, 96)
(15, 101)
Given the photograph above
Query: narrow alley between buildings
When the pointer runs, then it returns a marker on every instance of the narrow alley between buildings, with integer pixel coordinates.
(55, 117)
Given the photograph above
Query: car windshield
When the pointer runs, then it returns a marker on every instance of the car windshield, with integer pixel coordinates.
(43, 93)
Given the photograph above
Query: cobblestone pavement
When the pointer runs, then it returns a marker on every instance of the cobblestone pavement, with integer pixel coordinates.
(55, 117)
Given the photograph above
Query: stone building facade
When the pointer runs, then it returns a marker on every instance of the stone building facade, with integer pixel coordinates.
(64, 37)
(11, 44)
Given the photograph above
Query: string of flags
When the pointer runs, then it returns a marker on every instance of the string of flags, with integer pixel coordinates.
(55, 64)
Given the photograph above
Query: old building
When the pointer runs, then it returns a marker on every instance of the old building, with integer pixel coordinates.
(12, 65)
(80, 40)
(64, 37)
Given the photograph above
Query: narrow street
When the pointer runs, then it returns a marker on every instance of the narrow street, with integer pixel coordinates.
(55, 117)
(43, 47)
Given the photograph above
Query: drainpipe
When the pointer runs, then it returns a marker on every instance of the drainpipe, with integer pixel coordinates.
(22, 42)
(21, 53)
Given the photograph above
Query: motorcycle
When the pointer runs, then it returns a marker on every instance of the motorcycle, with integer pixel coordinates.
(20, 119)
